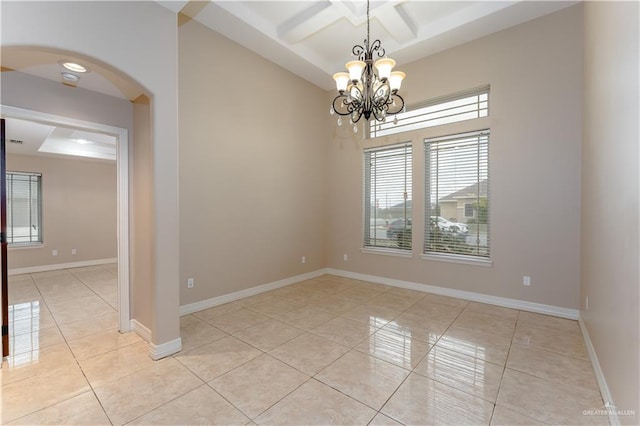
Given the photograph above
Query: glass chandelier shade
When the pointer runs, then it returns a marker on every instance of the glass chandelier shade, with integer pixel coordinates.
(369, 88)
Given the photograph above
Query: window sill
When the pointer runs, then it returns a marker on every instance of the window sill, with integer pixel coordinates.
(23, 246)
(387, 252)
(451, 258)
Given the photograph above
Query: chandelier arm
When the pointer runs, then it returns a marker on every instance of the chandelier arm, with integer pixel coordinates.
(399, 105)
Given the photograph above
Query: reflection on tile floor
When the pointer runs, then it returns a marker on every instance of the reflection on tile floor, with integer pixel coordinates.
(329, 350)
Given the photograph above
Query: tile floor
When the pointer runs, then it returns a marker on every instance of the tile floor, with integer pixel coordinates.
(329, 350)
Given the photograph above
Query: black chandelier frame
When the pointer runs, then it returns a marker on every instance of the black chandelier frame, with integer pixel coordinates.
(370, 96)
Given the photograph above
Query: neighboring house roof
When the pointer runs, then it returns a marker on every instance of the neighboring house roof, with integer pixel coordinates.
(401, 205)
(470, 191)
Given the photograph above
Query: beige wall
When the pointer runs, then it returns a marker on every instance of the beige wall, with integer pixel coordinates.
(534, 71)
(78, 210)
(610, 185)
(141, 214)
(252, 168)
(144, 50)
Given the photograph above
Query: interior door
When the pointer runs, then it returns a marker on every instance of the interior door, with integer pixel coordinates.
(3, 241)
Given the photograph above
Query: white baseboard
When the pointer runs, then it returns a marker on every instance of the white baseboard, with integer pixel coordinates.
(156, 352)
(461, 294)
(57, 267)
(602, 383)
(215, 301)
(141, 330)
(166, 349)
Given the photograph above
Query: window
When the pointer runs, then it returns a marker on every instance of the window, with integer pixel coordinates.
(24, 208)
(387, 197)
(468, 210)
(457, 176)
(449, 109)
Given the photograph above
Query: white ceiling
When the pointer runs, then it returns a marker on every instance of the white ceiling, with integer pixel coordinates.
(311, 38)
(314, 38)
(31, 138)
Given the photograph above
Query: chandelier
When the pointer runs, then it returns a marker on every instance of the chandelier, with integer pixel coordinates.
(365, 92)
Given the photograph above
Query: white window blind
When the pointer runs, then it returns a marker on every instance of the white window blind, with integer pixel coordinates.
(387, 197)
(24, 208)
(456, 181)
(461, 106)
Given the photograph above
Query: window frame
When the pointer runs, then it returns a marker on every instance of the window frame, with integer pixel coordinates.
(368, 246)
(39, 241)
(435, 112)
(428, 254)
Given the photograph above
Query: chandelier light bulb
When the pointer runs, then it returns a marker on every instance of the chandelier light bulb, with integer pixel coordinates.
(342, 80)
(384, 67)
(339, 121)
(355, 69)
(355, 128)
(395, 80)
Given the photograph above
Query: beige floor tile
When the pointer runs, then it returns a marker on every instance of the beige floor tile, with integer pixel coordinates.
(506, 417)
(444, 300)
(422, 401)
(334, 304)
(547, 401)
(255, 299)
(34, 311)
(201, 406)
(275, 305)
(309, 353)
(38, 339)
(496, 311)
(547, 321)
(344, 331)
(209, 314)
(486, 324)
(406, 293)
(365, 378)
(398, 349)
(93, 325)
(376, 316)
(195, 333)
(235, 321)
(413, 326)
(360, 293)
(471, 375)
(314, 403)
(92, 274)
(269, 334)
(37, 362)
(137, 394)
(117, 363)
(48, 387)
(305, 317)
(392, 301)
(552, 366)
(76, 309)
(492, 349)
(83, 409)
(428, 310)
(96, 344)
(382, 420)
(568, 343)
(258, 384)
(216, 358)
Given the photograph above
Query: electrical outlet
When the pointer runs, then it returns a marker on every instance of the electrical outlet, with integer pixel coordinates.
(586, 303)
(526, 281)
(190, 282)
(303, 260)
(54, 252)
(345, 257)
(74, 252)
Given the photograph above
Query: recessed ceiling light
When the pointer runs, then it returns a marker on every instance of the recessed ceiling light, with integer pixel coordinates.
(72, 78)
(72, 66)
(83, 141)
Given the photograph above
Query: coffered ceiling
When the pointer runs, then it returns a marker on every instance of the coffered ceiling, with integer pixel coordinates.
(314, 38)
